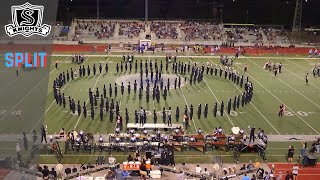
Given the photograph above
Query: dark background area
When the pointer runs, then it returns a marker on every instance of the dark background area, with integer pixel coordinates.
(279, 12)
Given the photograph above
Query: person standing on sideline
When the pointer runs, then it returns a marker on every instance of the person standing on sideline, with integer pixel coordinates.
(295, 170)
(290, 154)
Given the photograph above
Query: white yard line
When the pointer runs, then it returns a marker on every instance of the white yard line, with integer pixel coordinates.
(31, 90)
(297, 64)
(216, 98)
(195, 127)
(60, 64)
(299, 76)
(284, 103)
(47, 109)
(291, 88)
(95, 84)
(53, 102)
(12, 82)
(218, 102)
(255, 107)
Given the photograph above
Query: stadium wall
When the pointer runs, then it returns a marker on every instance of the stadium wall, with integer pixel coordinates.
(207, 50)
(247, 50)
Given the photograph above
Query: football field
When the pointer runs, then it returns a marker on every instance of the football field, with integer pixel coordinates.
(289, 87)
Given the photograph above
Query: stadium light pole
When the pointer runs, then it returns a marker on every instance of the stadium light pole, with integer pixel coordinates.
(98, 9)
(146, 8)
(296, 26)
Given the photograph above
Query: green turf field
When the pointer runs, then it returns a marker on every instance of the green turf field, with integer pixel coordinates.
(302, 101)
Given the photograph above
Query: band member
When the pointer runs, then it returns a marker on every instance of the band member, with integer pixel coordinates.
(133, 139)
(145, 132)
(192, 139)
(19, 114)
(281, 110)
(186, 120)
(221, 108)
(101, 140)
(252, 134)
(215, 109)
(117, 130)
(206, 111)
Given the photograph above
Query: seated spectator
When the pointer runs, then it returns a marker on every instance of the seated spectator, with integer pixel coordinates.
(45, 172)
(230, 170)
(234, 169)
(260, 172)
(183, 167)
(180, 175)
(243, 167)
(109, 175)
(267, 176)
(253, 177)
(53, 173)
(250, 165)
(245, 177)
(198, 169)
(257, 164)
(205, 172)
(67, 171)
(74, 169)
(289, 176)
(224, 172)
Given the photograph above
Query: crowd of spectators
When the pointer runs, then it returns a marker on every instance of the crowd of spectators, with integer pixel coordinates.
(200, 31)
(273, 34)
(99, 28)
(190, 31)
(164, 30)
(46, 173)
(246, 34)
(131, 29)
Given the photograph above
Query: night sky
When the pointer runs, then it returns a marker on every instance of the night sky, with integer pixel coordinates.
(277, 12)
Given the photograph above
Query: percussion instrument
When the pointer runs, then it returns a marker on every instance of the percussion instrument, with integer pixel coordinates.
(137, 165)
(131, 165)
(125, 166)
(148, 165)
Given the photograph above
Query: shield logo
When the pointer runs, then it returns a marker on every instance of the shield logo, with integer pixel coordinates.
(27, 21)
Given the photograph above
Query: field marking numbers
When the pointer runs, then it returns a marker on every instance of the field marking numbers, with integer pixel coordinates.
(291, 87)
(300, 76)
(31, 90)
(257, 108)
(300, 113)
(282, 102)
